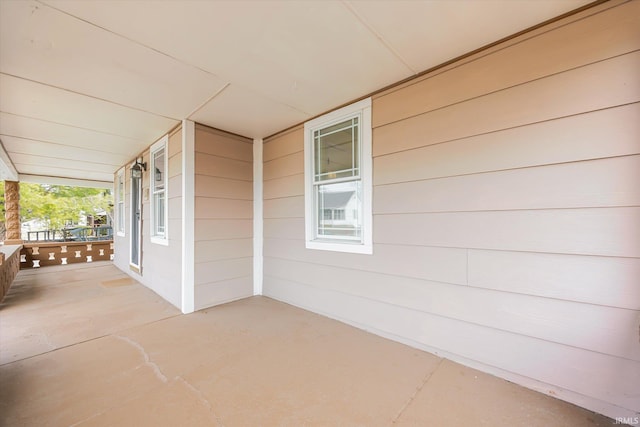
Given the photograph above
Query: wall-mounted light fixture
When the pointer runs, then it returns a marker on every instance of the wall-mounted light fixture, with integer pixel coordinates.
(137, 168)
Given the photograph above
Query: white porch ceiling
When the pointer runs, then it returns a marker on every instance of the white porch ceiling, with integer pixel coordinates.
(85, 86)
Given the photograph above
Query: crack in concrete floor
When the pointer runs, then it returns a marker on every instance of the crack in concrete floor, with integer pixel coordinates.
(147, 360)
(201, 397)
(418, 389)
(280, 366)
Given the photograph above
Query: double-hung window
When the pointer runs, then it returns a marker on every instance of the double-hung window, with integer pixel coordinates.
(338, 184)
(158, 189)
(120, 203)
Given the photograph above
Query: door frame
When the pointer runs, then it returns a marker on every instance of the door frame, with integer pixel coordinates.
(135, 224)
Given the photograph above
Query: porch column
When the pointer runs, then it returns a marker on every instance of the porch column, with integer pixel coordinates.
(258, 222)
(12, 213)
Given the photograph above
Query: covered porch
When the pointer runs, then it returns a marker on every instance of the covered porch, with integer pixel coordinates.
(86, 345)
(491, 151)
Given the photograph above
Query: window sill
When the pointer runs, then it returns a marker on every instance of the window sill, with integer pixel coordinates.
(160, 241)
(355, 248)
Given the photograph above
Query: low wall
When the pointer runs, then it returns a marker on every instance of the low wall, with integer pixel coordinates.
(9, 267)
(35, 255)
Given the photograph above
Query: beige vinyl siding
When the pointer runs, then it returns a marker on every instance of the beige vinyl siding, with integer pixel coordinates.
(538, 101)
(568, 139)
(161, 264)
(223, 217)
(222, 188)
(429, 263)
(287, 186)
(592, 379)
(575, 185)
(553, 50)
(506, 209)
(443, 299)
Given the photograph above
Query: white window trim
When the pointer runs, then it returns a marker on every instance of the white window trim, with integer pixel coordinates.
(120, 215)
(160, 144)
(366, 246)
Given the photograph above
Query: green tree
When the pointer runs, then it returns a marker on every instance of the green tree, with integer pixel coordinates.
(59, 205)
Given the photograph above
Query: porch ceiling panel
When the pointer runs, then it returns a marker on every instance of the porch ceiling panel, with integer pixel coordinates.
(233, 107)
(289, 52)
(66, 135)
(86, 176)
(114, 76)
(448, 29)
(48, 103)
(27, 148)
(42, 161)
(86, 59)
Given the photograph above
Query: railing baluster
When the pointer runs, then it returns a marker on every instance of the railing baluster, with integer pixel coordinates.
(41, 254)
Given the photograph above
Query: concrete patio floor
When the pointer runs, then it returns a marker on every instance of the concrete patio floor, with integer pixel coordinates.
(85, 345)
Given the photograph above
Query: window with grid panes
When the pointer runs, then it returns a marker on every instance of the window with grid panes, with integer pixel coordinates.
(158, 189)
(338, 180)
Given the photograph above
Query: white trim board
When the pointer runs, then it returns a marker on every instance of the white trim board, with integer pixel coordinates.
(118, 216)
(188, 217)
(258, 221)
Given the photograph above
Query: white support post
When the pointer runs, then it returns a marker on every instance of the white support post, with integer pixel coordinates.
(188, 217)
(257, 217)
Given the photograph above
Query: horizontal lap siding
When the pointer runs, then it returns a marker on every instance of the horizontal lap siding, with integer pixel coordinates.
(437, 264)
(585, 89)
(288, 186)
(223, 217)
(601, 231)
(219, 208)
(159, 262)
(606, 281)
(563, 140)
(284, 207)
(562, 367)
(604, 35)
(215, 250)
(506, 214)
(575, 185)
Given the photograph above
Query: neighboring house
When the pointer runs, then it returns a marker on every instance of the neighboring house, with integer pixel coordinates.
(32, 225)
(497, 223)
(339, 211)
